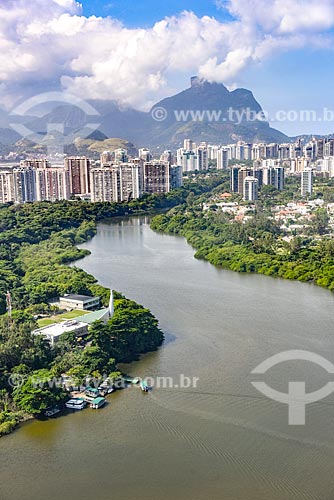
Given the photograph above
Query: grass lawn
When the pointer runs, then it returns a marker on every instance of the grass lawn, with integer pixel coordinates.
(60, 317)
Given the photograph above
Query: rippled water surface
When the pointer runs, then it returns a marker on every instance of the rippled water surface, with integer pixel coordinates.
(220, 440)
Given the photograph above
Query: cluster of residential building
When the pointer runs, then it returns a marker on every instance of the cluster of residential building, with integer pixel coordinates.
(293, 217)
(118, 177)
(247, 181)
(314, 150)
(271, 162)
(115, 178)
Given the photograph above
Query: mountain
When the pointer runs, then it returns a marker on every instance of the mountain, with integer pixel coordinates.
(91, 147)
(8, 137)
(204, 112)
(232, 116)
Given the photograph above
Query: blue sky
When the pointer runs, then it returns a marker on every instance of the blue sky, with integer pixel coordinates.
(296, 80)
(282, 50)
(144, 13)
(299, 79)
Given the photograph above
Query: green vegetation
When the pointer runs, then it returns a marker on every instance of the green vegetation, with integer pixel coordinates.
(58, 318)
(30, 359)
(31, 232)
(37, 242)
(8, 422)
(257, 245)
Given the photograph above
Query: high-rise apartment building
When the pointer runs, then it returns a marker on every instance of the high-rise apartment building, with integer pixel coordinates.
(34, 163)
(116, 183)
(104, 183)
(329, 147)
(274, 176)
(202, 158)
(6, 186)
(106, 157)
(188, 145)
(284, 151)
(188, 160)
(242, 174)
(166, 156)
(121, 155)
(259, 151)
(306, 182)
(176, 180)
(258, 174)
(234, 178)
(145, 154)
(243, 151)
(130, 182)
(251, 187)
(24, 183)
(279, 178)
(52, 184)
(156, 177)
(299, 164)
(223, 158)
(78, 168)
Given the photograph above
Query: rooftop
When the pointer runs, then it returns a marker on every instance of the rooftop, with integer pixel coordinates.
(72, 296)
(100, 315)
(58, 329)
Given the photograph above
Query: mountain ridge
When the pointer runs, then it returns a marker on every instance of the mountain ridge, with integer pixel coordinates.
(145, 129)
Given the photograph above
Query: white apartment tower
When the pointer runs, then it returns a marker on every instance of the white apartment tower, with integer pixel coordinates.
(306, 182)
(6, 186)
(251, 186)
(223, 155)
(115, 183)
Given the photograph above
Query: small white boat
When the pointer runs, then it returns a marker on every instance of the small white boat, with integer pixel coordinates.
(106, 388)
(75, 404)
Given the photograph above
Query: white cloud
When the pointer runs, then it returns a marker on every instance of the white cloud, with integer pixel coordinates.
(284, 16)
(49, 41)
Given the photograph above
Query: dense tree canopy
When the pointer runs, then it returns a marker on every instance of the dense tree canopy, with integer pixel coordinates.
(257, 244)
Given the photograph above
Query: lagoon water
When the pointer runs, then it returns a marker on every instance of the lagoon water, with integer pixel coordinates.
(218, 440)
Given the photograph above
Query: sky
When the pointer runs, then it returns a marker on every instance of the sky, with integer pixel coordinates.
(146, 13)
(138, 52)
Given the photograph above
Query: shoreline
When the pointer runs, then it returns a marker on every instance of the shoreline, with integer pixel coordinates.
(69, 263)
(245, 255)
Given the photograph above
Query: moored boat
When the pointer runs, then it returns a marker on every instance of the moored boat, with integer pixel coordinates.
(97, 403)
(51, 412)
(75, 404)
(143, 385)
(106, 388)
